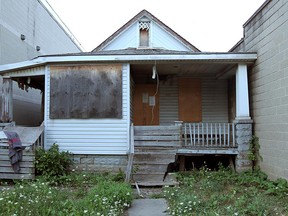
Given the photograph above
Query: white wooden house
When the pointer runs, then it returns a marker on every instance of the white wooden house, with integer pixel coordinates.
(143, 87)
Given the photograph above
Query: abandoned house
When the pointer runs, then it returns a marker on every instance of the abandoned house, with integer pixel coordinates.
(141, 98)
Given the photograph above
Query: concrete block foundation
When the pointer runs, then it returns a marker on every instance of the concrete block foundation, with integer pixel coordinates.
(243, 135)
(100, 163)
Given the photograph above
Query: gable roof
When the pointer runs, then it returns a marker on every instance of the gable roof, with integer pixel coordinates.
(136, 18)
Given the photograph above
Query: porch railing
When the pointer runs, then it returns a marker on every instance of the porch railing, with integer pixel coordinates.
(219, 135)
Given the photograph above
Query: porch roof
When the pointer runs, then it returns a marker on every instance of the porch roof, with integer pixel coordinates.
(133, 56)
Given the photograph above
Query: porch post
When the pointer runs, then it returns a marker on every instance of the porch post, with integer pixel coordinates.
(243, 121)
(7, 100)
(242, 95)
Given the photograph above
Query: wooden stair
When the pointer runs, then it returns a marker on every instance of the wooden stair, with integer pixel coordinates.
(155, 147)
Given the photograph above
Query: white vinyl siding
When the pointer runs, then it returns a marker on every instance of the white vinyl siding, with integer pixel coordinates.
(158, 38)
(162, 39)
(90, 136)
(168, 98)
(128, 38)
(214, 101)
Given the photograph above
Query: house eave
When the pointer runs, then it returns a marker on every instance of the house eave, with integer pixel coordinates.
(247, 58)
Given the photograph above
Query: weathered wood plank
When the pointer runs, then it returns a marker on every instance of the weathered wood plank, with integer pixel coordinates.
(7, 100)
(86, 91)
(27, 169)
(228, 151)
(25, 153)
(22, 164)
(148, 133)
(16, 176)
(28, 135)
(157, 138)
(156, 143)
(23, 170)
(158, 127)
(25, 157)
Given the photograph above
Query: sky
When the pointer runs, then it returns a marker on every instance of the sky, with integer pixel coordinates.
(210, 25)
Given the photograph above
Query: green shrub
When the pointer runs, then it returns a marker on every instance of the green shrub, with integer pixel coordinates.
(52, 163)
(254, 151)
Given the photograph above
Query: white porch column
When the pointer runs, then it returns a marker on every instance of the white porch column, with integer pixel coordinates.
(242, 94)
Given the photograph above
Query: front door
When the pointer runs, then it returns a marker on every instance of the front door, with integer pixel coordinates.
(146, 105)
(190, 103)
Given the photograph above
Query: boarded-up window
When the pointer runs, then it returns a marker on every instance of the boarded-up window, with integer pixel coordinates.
(86, 92)
(144, 27)
(144, 38)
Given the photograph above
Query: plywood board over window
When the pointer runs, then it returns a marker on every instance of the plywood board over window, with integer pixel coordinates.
(81, 92)
(190, 101)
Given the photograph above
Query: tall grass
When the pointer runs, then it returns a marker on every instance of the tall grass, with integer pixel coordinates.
(224, 192)
(80, 194)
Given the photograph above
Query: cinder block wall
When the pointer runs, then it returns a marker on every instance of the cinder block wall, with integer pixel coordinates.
(31, 19)
(267, 34)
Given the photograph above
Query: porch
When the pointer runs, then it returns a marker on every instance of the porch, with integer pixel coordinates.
(189, 137)
(154, 147)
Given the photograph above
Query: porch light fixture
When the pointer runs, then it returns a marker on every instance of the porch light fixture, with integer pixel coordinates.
(154, 71)
(38, 48)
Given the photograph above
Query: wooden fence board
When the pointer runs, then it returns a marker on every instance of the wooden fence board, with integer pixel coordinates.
(16, 176)
(156, 143)
(27, 170)
(156, 138)
(7, 163)
(23, 170)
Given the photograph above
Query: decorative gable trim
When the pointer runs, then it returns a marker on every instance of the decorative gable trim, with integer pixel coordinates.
(143, 16)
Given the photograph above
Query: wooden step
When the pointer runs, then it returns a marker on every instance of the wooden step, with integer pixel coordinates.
(156, 183)
(153, 177)
(149, 150)
(153, 158)
(150, 167)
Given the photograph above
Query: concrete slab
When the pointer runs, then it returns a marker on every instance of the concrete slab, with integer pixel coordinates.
(148, 207)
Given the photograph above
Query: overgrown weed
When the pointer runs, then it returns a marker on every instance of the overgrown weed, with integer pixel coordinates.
(80, 194)
(225, 192)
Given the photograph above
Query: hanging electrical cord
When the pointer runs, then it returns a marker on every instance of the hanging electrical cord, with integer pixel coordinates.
(157, 89)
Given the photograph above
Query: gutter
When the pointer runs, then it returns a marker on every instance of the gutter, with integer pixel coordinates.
(197, 57)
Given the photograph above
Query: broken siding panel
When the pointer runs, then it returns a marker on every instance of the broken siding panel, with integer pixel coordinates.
(214, 101)
(162, 39)
(91, 136)
(36, 71)
(129, 38)
(168, 97)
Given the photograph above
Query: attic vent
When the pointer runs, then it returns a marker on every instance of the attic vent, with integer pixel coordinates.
(144, 25)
